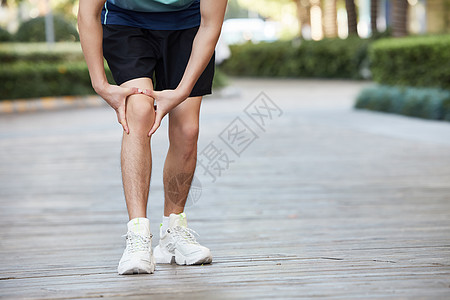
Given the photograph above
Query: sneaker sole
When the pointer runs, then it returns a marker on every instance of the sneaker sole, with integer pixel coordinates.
(200, 259)
(162, 256)
(137, 267)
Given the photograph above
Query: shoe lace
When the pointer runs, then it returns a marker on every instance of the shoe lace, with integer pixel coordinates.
(184, 235)
(137, 242)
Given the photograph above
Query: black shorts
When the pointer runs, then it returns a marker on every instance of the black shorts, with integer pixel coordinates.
(133, 52)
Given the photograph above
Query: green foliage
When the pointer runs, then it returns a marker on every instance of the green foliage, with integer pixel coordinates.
(422, 61)
(234, 10)
(427, 103)
(263, 59)
(382, 34)
(31, 80)
(328, 58)
(33, 70)
(5, 36)
(34, 30)
(220, 80)
(66, 8)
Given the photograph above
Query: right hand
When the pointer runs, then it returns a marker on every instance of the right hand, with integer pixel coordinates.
(116, 97)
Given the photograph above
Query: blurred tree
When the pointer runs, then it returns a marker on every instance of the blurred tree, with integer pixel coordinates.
(33, 30)
(374, 16)
(234, 10)
(330, 18)
(5, 36)
(352, 17)
(67, 8)
(282, 11)
(304, 17)
(62, 7)
(8, 2)
(399, 18)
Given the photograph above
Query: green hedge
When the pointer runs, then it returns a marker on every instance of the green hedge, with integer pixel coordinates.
(34, 70)
(421, 61)
(5, 36)
(31, 70)
(26, 80)
(328, 58)
(428, 103)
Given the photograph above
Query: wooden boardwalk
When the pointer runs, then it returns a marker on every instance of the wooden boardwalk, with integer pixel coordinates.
(322, 202)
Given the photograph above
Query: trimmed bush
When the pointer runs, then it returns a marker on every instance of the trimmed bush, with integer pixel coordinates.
(5, 36)
(220, 80)
(427, 103)
(26, 80)
(421, 61)
(264, 59)
(328, 58)
(34, 30)
(33, 70)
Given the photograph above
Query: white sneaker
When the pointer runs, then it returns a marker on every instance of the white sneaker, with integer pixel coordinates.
(138, 255)
(179, 242)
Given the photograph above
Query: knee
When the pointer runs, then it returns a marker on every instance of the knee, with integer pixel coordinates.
(185, 138)
(140, 113)
(189, 133)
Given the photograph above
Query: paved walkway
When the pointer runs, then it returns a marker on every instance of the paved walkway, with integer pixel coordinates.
(48, 104)
(319, 200)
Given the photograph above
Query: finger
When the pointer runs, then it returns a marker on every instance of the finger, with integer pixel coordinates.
(123, 118)
(133, 90)
(155, 124)
(150, 93)
(125, 126)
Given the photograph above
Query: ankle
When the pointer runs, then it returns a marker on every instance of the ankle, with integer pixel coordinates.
(164, 225)
(139, 226)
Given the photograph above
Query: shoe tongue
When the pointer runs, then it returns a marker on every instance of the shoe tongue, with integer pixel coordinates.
(139, 226)
(177, 220)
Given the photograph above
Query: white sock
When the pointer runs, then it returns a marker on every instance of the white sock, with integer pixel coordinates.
(164, 224)
(139, 226)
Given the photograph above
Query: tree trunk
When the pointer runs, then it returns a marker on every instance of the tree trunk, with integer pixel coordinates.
(304, 17)
(351, 17)
(374, 16)
(330, 18)
(399, 18)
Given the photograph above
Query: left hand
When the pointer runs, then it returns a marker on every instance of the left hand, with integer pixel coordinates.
(165, 101)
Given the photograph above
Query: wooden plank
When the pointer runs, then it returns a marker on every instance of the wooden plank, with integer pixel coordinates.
(324, 204)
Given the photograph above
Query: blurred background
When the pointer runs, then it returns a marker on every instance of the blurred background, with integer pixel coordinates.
(397, 44)
(330, 199)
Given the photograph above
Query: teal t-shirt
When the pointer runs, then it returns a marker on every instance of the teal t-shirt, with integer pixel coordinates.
(152, 5)
(151, 14)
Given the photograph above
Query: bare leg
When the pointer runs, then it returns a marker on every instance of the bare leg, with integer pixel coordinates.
(136, 159)
(181, 158)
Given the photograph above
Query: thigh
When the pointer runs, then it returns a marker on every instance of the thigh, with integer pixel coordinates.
(142, 82)
(174, 59)
(130, 52)
(184, 118)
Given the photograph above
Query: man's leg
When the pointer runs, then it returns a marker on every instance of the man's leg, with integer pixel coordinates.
(136, 164)
(176, 240)
(136, 159)
(181, 158)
